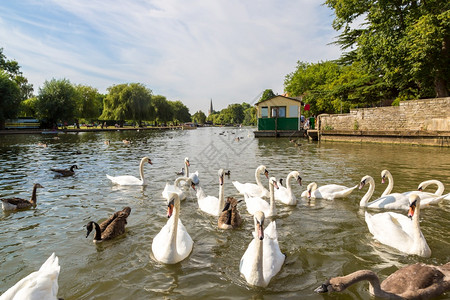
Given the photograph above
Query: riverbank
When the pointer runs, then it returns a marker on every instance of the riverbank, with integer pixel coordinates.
(88, 129)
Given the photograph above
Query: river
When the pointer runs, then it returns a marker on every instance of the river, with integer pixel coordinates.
(320, 238)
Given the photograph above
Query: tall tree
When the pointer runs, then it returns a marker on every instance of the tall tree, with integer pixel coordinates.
(9, 98)
(180, 112)
(267, 94)
(12, 68)
(405, 42)
(57, 102)
(90, 102)
(163, 110)
(131, 101)
(199, 117)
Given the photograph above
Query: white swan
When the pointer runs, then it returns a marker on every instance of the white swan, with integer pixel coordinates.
(131, 180)
(41, 284)
(255, 204)
(193, 176)
(173, 243)
(175, 188)
(284, 194)
(399, 231)
(263, 259)
(211, 204)
(329, 191)
(251, 189)
(396, 200)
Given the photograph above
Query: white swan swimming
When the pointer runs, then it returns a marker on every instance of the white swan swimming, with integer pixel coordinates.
(255, 204)
(329, 191)
(263, 259)
(194, 176)
(175, 188)
(211, 204)
(131, 180)
(399, 231)
(41, 284)
(284, 194)
(173, 243)
(396, 200)
(251, 189)
(386, 174)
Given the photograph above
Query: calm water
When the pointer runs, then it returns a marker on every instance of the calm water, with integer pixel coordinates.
(321, 239)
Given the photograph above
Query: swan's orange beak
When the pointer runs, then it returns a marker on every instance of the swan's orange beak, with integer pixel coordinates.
(361, 184)
(221, 180)
(188, 164)
(169, 210)
(383, 180)
(411, 210)
(193, 186)
(275, 184)
(260, 231)
(266, 173)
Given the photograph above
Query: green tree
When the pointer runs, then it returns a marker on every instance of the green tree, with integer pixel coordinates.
(28, 107)
(128, 101)
(57, 102)
(199, 117)
(180, 112)
(90, 102)
(405, 42)
(267, 94)
(163, 110)
(9, 98)
(249, 116)
(12, 68)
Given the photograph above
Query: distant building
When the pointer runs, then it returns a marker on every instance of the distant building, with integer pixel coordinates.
(211, 110)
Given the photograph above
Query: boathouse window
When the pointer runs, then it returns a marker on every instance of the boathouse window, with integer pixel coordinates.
(264, 112)
(279, 111)
(293, 111)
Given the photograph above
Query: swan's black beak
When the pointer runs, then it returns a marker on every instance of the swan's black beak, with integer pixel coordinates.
(275, 184)
(299, 180)
(322, 289)
(193, 186)
(150, 161)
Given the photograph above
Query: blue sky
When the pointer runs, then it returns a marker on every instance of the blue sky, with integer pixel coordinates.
(193, 51)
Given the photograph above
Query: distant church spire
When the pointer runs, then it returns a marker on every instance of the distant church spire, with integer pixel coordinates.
(210, 111)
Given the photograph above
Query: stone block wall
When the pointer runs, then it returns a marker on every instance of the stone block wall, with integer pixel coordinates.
(415, 115)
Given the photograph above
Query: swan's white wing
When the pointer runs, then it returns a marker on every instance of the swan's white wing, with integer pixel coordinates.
(42, 284)
(210, 205)
(285, 196)
(125, 180)
(425, 202)
(273, 258)
(332, 191)
(391, 229)
(161, 242)
(255, 204)
(251, 189)
(169, 189)
(184, 241)
(391, 201)
(248, 260)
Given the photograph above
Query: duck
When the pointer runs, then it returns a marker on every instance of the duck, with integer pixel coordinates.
(328, 191)
(395, 200)
(211, 204)
(417, 281)
(43, 145)
(230, 217)
(15, 203)
(263, 258)
(255, 204)
(181, 172)
(41, 284)
(175, 188)
(399, 231)
(284, 194)
(251, 189)
(107, 142)
(194, 176)
(65, 172)
(110, 228)
(228, 173)
(126, 141)
(131, 180)
(173, 243)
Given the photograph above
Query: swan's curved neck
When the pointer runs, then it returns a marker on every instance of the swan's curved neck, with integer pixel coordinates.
(272, 199)
(257, 266)
(173, 235)
(33, 195)
(221, 197)
(390, 186)
(258, 180)
(440, 185)
(374, 282)
(98, 232)
(186, 168)
(288, 182)
(179, 179)
(365, 199)
(141, 171)
(416, 223)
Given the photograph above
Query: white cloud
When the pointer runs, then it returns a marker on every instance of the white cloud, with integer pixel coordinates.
(192, 51)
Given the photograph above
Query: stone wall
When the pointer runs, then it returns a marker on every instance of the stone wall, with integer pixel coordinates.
(414, 118)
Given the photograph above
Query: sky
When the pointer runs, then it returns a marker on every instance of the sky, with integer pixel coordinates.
(229, 51)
